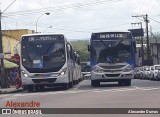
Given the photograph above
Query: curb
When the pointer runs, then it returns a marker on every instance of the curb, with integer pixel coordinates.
(13, 91)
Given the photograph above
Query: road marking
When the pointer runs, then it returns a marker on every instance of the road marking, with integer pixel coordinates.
(132, 88)
(75, 91)
(147, 88)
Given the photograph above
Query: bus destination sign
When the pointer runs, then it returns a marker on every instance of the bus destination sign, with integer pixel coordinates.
(43, 38)
(110, 35)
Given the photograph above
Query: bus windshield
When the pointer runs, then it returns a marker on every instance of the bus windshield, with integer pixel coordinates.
(43, 56)
(111, 51)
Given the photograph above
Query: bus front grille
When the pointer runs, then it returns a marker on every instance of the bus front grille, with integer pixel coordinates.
(113, 67)
(111, 70)
(49, 80)
(112, 75)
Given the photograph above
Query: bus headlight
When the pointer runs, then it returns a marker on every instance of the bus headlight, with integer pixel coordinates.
(24, 74)
(127, 69)
(63, 71)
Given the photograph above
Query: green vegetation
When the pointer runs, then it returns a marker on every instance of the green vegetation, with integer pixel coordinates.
(81, 46)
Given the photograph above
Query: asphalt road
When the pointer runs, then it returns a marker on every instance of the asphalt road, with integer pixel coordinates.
(141, 94)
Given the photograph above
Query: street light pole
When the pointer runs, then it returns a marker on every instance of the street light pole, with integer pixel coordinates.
(39, 18)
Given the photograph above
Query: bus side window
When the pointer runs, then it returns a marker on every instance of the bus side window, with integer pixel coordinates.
(68, 51)
(71, 53)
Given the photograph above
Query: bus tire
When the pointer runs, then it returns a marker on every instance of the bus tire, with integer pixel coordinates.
(71, 84)
(95, 83)
(77, 82)
(65, 86)
(30, 88)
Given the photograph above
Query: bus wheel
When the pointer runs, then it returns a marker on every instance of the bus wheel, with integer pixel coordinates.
(65, 86)
(30, 88)
(77, 82)
(71, 84)
(95, 83)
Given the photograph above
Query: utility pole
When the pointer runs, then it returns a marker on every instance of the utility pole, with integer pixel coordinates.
(3, 79)
(147, 36)
(148, 50)
(2, 73)
(141, 38)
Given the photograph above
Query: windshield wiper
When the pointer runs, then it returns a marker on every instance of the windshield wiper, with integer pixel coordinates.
(48, 48)
(118, 43)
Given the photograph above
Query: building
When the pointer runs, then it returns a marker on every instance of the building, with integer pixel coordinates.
(11, 49)
(9, 44)
(138, 56)
(17, 33)
(155, 52)
(10, 39)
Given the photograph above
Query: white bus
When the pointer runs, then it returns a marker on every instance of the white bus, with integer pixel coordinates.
(47, 60)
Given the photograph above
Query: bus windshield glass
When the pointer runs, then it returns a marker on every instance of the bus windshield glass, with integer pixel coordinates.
(45, 54)
(111, 50)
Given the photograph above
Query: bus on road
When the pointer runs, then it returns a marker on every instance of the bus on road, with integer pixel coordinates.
(47, 60)
(112, 57)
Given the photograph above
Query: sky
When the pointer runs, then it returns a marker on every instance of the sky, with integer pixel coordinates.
(77, 19)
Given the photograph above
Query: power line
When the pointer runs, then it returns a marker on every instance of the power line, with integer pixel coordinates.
(8, 6)
(60, 7)
(147, 36)
(46, 25)
(142, 7)
(147, 6)
(5, 23)
(71, 28)
(155, 7)
(154, 20)
(138, 8)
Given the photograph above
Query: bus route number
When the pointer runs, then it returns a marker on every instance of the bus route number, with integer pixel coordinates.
(104, 36)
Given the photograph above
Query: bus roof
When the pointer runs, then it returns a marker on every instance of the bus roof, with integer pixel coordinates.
(111, 32)
(35, 34)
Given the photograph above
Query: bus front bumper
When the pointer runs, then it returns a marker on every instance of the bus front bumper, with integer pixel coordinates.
(45, 80)
(105, 76)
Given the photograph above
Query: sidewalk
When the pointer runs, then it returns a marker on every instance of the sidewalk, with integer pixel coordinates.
(12, 89)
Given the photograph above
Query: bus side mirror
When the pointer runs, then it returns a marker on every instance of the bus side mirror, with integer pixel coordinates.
(78, 60)
(75, 56)
(88, 48)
